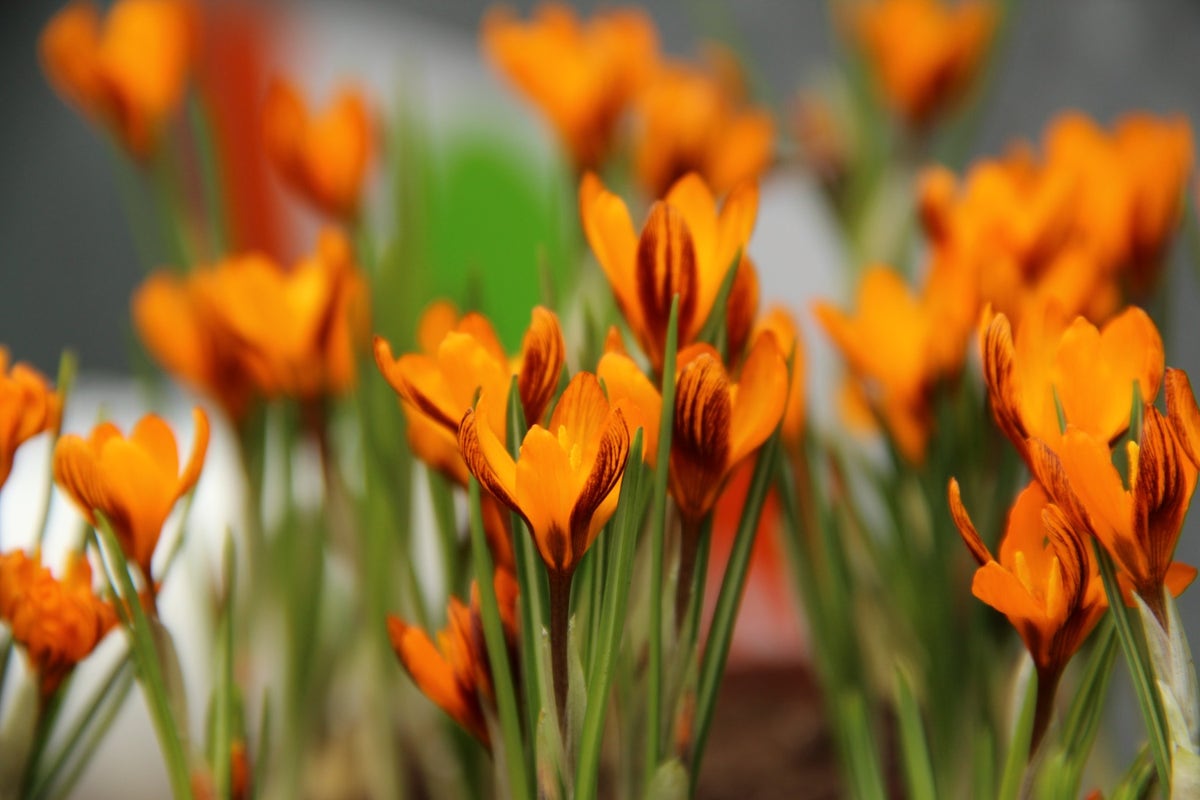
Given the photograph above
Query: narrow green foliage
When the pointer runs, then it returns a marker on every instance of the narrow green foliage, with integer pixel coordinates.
(1015, 763)
(623, 531)
(658, 533)
(918, 769)
(497, 648)
(720, 634)
(1140, 670)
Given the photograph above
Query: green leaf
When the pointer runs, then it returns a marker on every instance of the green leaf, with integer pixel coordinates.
(918, 769)
(1139, 667)
(1083, 718)
(624, 527)
(1015, 764)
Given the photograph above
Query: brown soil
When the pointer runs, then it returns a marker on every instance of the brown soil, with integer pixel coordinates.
(769, 739)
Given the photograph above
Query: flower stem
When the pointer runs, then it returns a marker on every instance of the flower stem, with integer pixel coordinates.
(560, 616)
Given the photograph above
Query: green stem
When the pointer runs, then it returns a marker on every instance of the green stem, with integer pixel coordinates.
(1140, 671)
(146, 659)
(658, 533)
(720, 634)
(1016, 762)
(616, 595)
(560, 617)
(497, 648)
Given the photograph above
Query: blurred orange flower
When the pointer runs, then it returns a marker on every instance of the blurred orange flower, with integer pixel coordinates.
(897, 347)
(686, 247)
(247, 326)
(28, 406)
(455, 674)
(133, 481)
(580, 74)
(690, 120)
(1046, 582)
(323, 157)
(923, 54)
(1085, 372)
(58, 622)
(128, 71)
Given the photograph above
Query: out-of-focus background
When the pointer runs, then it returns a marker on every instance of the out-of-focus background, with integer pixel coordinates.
(68, 263)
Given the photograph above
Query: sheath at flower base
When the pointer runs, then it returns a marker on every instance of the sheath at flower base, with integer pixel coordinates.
(1138, 525)
(688, 120)
(128, 71)
(923, 54)
(1045, 581)
(565, 485)
(580, 74)
(58, 622)
(321, 157)
(685, 248)
(455, 673)
(460, 358)
(1088, 373)
(28, 406)
(134, 481)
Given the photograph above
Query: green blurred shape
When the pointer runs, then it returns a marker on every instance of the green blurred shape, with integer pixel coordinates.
(494, 214)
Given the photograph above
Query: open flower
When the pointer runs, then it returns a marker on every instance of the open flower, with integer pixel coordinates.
(133, 481)
(581, 75)
(28, 406)
(638, 399)
(460, 359)
(685, 248)
(564, 484)
(59, 622)
(690, 120)
(455, 673)
(1139, 525)
(719, 422)
(128, 71)
(1086, 372)
(322, 157)
(923, 54)
(1045, 582)
(249, 327)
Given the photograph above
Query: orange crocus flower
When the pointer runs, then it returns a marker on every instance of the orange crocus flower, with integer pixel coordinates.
(1139, 525)
(689, 120)
(581, 75)
(459, 359)
(59, 622)
(718, 422)
(1085, 372)
(1046, 582)
(892, 345)
(247, 326)
(322, 157)
(456, 674)
(28, 406)
(685, 248)
(564, 484)
(923, 54)
(133, 481)
(638, 399)
(128, 71)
